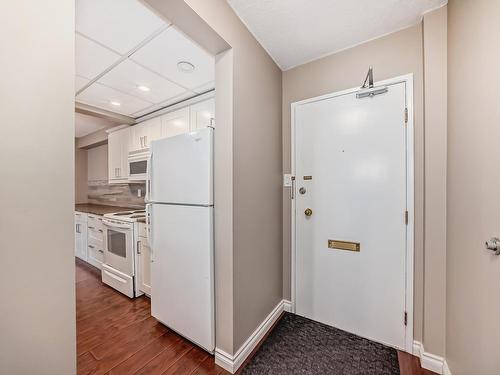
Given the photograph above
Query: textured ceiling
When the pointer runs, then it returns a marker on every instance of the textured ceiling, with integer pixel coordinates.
(298, 31)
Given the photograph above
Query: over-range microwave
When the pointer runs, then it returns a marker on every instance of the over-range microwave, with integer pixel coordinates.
(138, 165)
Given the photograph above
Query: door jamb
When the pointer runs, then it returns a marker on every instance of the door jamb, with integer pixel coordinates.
(410, 196)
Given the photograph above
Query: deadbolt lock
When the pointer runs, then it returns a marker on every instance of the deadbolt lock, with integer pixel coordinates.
(308, 212)
(302, 190)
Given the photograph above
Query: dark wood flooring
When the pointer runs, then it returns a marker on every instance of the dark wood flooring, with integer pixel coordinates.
(117, 335)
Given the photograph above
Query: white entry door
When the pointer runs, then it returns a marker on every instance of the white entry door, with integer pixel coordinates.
(350, 213)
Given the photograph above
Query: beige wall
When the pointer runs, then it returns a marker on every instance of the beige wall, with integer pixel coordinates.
(97, 163)
(435, 75)
(257, 254)
(248, 239)
(473, 276)
(393, 55)
(37, 325)
(81, 176)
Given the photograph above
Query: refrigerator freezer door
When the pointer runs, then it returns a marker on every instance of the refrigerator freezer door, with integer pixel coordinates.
(181, 169)
(182, 276)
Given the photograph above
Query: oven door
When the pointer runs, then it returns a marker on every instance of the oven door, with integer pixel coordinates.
(118, 246)
(138, 165)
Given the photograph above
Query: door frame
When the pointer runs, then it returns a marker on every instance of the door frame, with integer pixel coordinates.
(410, 197)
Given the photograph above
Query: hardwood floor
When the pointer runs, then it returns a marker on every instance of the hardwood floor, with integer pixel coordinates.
(117, 335)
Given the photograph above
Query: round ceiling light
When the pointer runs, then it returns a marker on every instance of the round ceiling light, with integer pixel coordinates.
(143, 88)
(185, 66)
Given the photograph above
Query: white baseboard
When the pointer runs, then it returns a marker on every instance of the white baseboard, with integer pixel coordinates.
(232, 363)
(430, 361)
(446, 369)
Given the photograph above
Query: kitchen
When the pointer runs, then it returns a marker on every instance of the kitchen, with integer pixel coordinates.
(144, 123)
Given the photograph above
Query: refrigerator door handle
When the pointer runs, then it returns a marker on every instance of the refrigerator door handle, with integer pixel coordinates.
(149, 234)
(149, 166)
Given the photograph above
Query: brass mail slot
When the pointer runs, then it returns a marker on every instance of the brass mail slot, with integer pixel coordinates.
(344, 245)
(308, 177)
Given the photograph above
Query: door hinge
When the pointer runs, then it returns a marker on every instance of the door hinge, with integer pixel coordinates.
(406, 116)
(406, 217)
(406, 318)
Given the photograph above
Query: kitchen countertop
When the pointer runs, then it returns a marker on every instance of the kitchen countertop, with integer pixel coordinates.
(100, 209)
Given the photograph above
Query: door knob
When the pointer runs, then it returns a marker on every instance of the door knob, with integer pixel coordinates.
(493, 245)
(308, 212)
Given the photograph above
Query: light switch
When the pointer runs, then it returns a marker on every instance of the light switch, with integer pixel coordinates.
(287, 180)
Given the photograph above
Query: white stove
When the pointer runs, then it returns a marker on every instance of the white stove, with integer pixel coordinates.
(128, 216)
(119, 268)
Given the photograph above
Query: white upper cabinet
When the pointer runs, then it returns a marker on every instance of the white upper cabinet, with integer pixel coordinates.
(202, 114)
(118, 144)
(167, 50)
(174, 123)
(143, 133)
(118, 24)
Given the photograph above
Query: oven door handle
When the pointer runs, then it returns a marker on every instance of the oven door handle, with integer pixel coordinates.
(114, 225)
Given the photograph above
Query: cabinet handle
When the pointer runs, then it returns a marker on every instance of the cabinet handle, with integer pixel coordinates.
(139, 247)
(77, 228)
(91, 246)
(90, 227)
(101, 251)
(100, 230)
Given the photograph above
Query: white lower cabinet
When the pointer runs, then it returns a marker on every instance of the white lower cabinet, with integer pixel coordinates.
(81, 235)
(144, 257)
(95, 240)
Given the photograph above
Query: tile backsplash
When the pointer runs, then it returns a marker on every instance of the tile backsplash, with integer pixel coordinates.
(123, 195)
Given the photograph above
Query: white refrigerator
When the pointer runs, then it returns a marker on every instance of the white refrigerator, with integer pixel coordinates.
(180, 207)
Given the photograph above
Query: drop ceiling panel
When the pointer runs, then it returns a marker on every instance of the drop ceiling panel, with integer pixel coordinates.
(101, 96)
(184, 96)
(127, 76)
(165, 51)
(91, 58)
(204, 88)
(118, 24)
(143, 112)
(80, 82)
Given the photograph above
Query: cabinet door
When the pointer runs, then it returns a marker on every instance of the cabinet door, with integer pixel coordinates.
(124, 172)
(81, 235)
(95, 252)
(152, 130)
(143, 133)
(202, 114)
(175, 123)
(114, 155)
(144, 265)
(118, 144)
